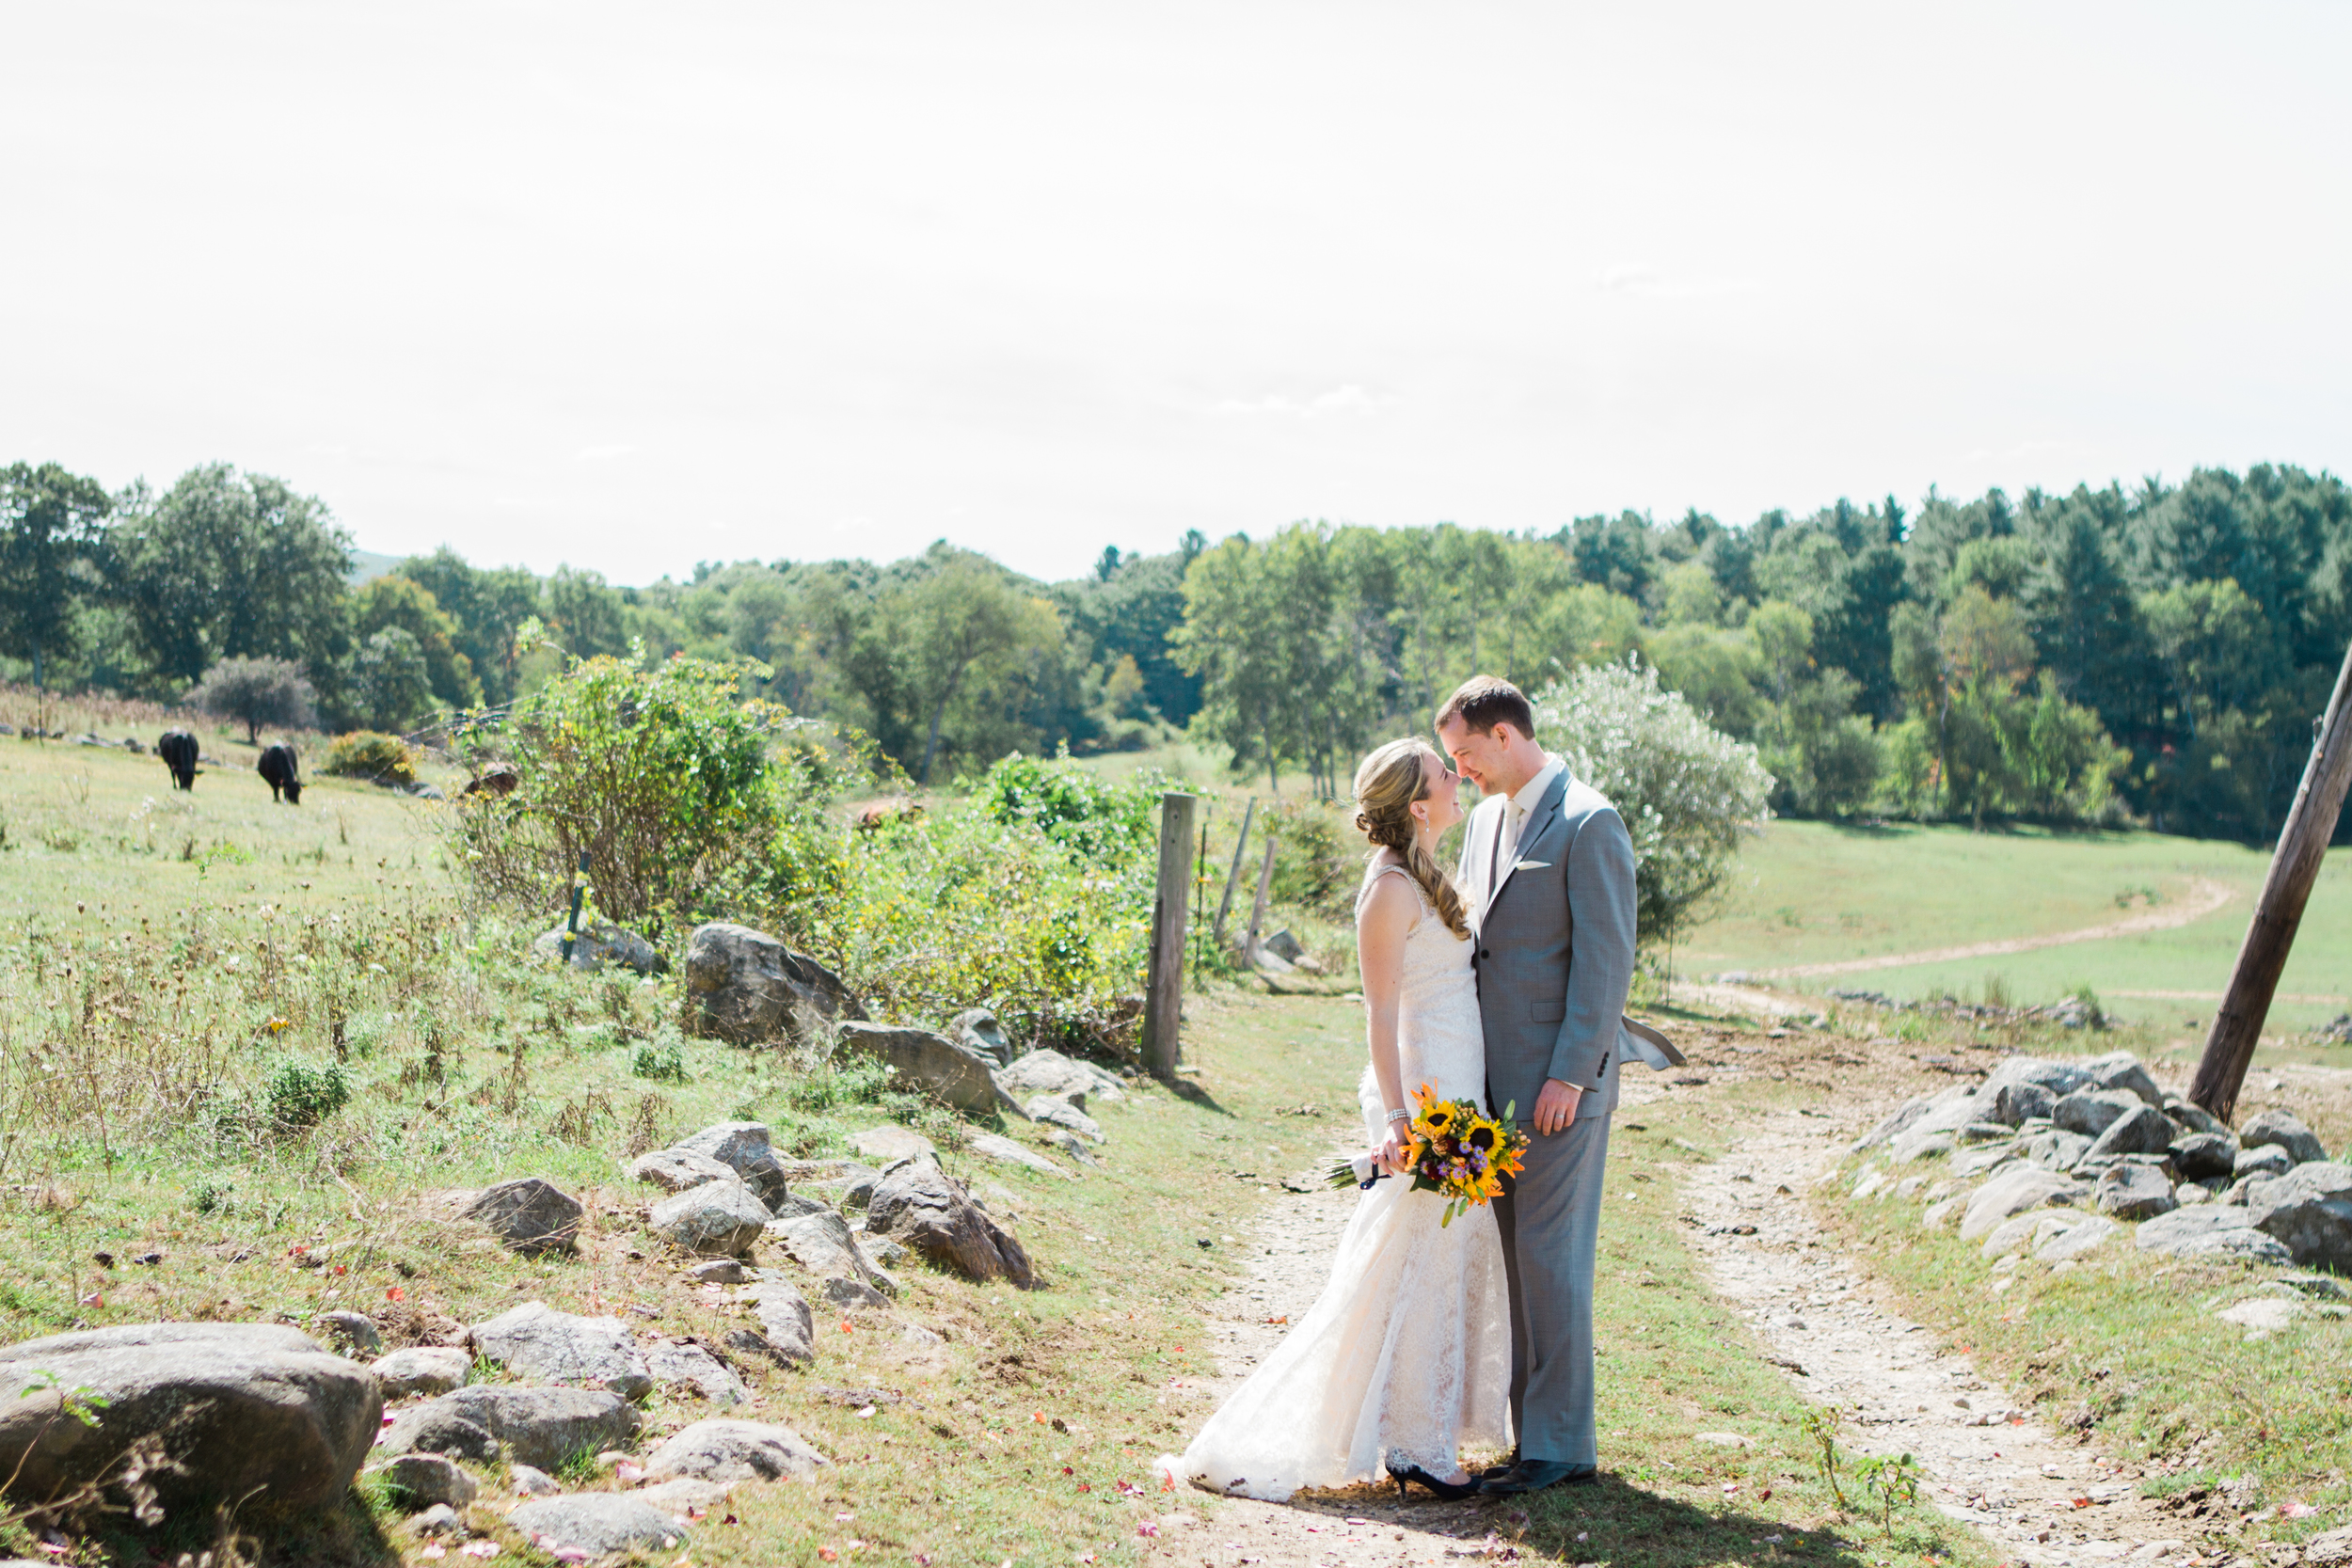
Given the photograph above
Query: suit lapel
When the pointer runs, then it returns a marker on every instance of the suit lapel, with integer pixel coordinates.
(1537, 821)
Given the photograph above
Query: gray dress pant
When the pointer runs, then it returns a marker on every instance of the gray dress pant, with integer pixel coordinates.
(1550, 1216)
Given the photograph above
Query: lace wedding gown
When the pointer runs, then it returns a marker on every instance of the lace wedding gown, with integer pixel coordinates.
(1408, 1348)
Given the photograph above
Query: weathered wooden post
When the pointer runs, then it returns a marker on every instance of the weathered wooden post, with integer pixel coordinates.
(1164, 987)
(1257, 909)
(1225, 905)
(2311, 823)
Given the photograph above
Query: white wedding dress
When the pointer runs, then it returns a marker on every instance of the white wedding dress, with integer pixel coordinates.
(1408, 1348)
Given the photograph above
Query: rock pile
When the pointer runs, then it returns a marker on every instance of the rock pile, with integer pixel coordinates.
(2101, 1138)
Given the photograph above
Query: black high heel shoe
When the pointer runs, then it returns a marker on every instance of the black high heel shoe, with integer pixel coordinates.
(1444, 1491)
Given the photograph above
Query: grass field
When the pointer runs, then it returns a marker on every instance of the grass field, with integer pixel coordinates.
(1812, 893)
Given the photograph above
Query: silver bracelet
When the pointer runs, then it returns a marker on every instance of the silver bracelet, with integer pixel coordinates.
(1400, 1116)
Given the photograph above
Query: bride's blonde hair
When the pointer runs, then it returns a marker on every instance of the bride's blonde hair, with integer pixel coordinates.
(1387, 784)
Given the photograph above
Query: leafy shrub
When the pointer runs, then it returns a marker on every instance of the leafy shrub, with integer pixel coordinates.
(1688, 792)
(367, 755)
(300, 1096)
(1071, 805)
(662, 1059)
(962, 910)
(1318, 857)
(256, 692)
(660, 776)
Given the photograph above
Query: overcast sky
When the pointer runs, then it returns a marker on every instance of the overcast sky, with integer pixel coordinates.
(634, 286)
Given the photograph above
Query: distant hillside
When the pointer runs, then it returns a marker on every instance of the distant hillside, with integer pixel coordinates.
(367, 564)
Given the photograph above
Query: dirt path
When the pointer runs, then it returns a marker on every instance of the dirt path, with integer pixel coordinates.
(1988, 1465)
(1290, 1248)
(2205, 896)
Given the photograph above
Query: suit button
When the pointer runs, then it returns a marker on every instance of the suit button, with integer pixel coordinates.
(1483, 954)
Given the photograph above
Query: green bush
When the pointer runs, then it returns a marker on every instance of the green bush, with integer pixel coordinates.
(1071, 805)
(962, 910)
(1688, 792)
(299, 1096)
(662, 776)
(366, 754)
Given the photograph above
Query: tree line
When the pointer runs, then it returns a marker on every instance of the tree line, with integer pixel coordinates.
(2157, 653)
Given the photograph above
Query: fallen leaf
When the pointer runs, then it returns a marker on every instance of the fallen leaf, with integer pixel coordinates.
(395, 1294)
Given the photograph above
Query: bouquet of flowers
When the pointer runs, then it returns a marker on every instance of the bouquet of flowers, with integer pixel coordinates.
(1453, 1150)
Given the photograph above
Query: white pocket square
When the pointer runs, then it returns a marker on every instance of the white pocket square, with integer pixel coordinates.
(1531, 866)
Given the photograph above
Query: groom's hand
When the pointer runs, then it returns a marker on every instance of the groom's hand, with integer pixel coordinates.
(1555, 1106)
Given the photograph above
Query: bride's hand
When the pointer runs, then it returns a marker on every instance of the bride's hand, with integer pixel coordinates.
(1390, 1156)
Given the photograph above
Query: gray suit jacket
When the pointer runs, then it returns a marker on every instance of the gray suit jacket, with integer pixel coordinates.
(1554, 955)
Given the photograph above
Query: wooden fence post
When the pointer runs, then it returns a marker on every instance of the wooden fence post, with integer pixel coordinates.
(1225, 905)
(1257, 909)
(2311, 823)
(1164, 988)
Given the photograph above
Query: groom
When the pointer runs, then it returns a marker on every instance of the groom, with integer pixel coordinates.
(1548, 872)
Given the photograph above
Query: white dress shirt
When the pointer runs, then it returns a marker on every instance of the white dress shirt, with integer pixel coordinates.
(1514, 809)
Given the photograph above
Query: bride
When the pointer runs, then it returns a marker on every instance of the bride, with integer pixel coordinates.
(1407, 1354)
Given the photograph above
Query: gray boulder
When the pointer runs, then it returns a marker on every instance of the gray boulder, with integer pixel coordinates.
(745, 1148)
(2206, 1156)
(853, 1188)
(541, 1427)
(426, 1479)
(2055, 1150)
(996, 1146)
(2167, 1231)
(530, 1215)
(2246, 1245)
(2310, 1209)
(890, 1143)
(787, 1328)
(720, 1218)
(1063, 1114)
(253, 1413)
(2121, 1072)
(853, 1295)
(2092, 1111)
(2194, 1117)
(2012, 1191)
(1051, 1072)
(422, 1370)
(746, 987)
(2022, 1101)
(538, 1342)
(2142, 1130)
(2076, 1239)
(726, 1450)
(924, 1062)
(2060, 1077)
(823, 1244)
(921, 1207)
(601, 1523)
(980, 1029)
(2267, 1161)
(685, 1366)
(601, 944)
(673, 1170)
(532, 1481)
(2130, 1191)
(352, 1332)
(2285, 1130)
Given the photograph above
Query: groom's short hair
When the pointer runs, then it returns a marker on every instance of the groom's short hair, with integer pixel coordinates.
(1483, 702)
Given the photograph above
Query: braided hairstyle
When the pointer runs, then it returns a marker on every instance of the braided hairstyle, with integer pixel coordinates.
(1387, 784)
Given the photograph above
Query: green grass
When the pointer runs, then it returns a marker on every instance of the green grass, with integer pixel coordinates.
(1812, 892)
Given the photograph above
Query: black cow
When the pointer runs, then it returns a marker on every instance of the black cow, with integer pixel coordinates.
(178, 750)
(280, 770)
